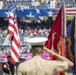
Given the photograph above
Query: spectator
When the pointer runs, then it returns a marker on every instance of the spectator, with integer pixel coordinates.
(57, 3)
(8, 67)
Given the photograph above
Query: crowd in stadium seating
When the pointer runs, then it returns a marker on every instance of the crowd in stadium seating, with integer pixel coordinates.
(26, 30)
(26, 4)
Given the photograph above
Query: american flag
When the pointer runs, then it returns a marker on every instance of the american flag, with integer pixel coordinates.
(13, 31)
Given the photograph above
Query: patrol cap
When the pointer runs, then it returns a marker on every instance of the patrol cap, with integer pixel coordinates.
(37, 41)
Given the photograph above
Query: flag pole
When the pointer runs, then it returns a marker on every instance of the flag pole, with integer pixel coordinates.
(64, 21)
(63, 34)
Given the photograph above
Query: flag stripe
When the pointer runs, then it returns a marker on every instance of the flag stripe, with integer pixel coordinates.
(15, 51)
(13, 30)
